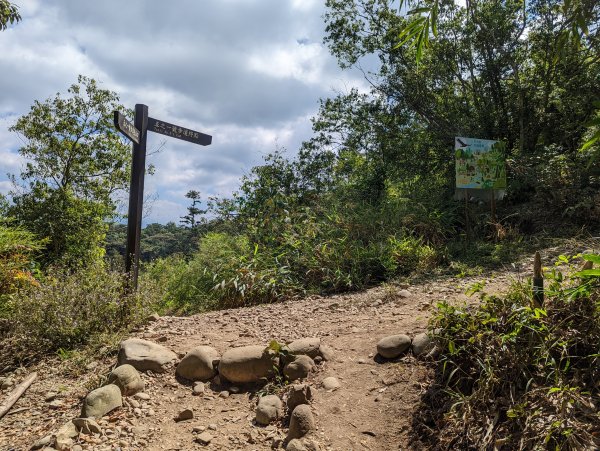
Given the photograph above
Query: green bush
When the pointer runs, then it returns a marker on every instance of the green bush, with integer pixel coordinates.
(521, 377)
(17, 267)
(71, 309)
(225, 272)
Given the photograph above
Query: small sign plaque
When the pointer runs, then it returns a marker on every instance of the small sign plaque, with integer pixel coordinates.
(126, 127)
(175, 131)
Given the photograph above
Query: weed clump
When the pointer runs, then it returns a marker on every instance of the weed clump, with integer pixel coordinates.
(512, 376)
(68, 310)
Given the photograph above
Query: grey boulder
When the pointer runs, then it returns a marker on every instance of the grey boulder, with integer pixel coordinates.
(298, 394)
(299, 368)
(248, 364)
(127, 379)
(393, 346)
(422, 344)
(269, 409)
(197, 365)
(101, 401)
(302, 422)
(305, 346)
(144, 355)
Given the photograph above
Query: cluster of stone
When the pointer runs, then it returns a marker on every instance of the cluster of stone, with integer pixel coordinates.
(394, 346)
(241, 365)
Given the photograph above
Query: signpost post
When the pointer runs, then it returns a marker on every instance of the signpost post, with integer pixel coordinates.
(137, 133)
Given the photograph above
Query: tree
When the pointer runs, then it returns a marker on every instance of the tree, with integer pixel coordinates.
(495, 70)
(76, 161)
(190, 220)
(9, 14)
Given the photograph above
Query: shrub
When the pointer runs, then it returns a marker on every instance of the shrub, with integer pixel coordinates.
(17, 268)
(70, 309)
(521, 377)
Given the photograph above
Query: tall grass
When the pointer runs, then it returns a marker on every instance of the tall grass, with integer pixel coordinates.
(515, 376)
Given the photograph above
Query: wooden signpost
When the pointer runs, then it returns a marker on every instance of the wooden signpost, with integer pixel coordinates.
(137, 133)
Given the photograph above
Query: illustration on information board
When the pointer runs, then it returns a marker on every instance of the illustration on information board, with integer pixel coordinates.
(480, 163)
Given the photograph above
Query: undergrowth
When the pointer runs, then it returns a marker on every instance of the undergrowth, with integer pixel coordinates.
(68, 311)
(515, 376)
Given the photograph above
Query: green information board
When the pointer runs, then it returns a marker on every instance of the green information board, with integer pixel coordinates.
(480, 163)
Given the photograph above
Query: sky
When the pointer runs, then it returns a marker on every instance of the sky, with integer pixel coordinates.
(248, 72)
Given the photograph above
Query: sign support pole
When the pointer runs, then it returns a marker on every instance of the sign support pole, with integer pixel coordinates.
(136, 197)
(137, 133)
(493, 205)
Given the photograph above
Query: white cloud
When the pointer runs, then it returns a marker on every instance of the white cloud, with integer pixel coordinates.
(248, 72)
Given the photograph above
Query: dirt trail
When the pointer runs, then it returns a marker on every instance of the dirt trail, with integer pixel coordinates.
(372, 410)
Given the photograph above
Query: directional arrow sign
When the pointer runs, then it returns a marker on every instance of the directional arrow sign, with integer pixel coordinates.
(137, 133)
(126, 127)
(175, 131)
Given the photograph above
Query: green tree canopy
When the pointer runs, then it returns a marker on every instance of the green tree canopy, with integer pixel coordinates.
(76, 161)
(9, 14)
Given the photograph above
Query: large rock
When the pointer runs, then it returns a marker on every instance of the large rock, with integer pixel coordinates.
(393, 346)
(298, 394)
(269, 409)
(144, 355)
(127, 379)
(305, 346)
(247, 364)
(64, 437)
(101, 401)
(301, 422)
(422, 344)
(331, 383)
(197, 365)
(299, 368)
(327, 353)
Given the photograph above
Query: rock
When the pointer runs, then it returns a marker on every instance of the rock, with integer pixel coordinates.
(224, 394)
(153, 318)
(247, 364)
(184, 415)
(65, 435)
(330, 383)
(303, 444)
(295, 445)
(422, 344)
(127, 379)
(144, 355)
(198, 364)
(44, 441)
(87, 426)
(301, 422)
(7, 382)
(299, 368)
(298, 394)
(393, 346)
(269, 409)
(327, 353)
(63, 443)
(77, 448)
(305, 346)
(204, 439)
(142, 396)
(404, 293)
(101, 401)
(55, 404)
(198, 388)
